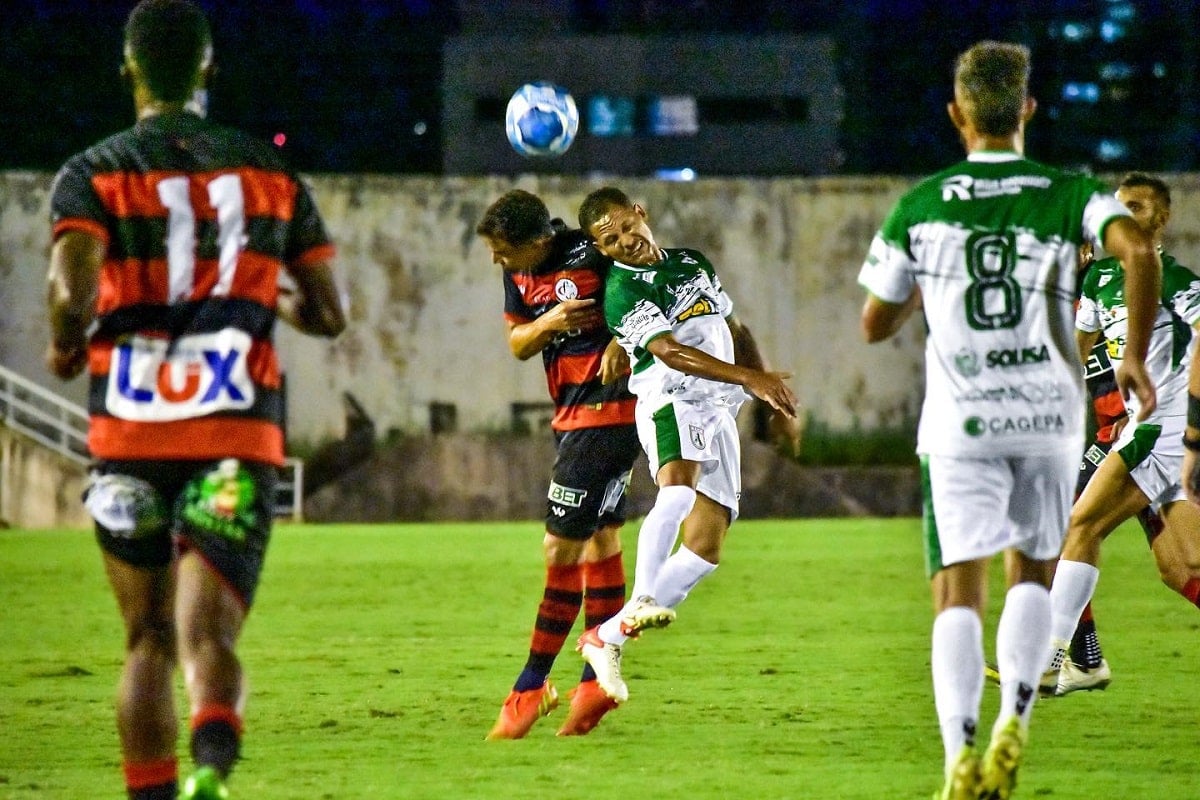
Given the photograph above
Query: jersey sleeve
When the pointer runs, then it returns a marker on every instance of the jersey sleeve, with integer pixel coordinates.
(1087, 313)
(889, 271)
(515, 309)
(307, 242)
(633, 317)
(1101, 208)
(74, 203)
(1181, 288)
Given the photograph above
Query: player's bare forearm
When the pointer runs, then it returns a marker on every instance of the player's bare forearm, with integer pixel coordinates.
(882, 320)
(527, 339)
(768, 386)
(745, 348)
(314, 306)
(71, 287)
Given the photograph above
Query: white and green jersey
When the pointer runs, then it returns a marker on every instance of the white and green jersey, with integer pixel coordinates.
(680, 295)
(1102, 308)
(992, 243)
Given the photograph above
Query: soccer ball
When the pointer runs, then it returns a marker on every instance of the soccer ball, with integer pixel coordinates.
(541, 119)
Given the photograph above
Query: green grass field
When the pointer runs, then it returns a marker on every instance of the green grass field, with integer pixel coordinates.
(378, 656)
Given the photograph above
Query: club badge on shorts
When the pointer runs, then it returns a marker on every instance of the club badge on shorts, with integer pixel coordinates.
(221, 502)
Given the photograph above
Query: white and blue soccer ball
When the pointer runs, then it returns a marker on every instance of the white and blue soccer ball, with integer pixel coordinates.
(541, 119)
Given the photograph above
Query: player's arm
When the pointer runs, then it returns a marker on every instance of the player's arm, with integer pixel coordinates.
(1191, 434)
(72, 284)
(784, 428)
(881, 319)
(314, 306)
(1086, 340)
(1126, 240)
(768, 386)
(614, 362)
(527, 339)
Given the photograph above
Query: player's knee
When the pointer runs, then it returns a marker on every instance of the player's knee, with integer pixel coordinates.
(152, 637)
(675, 502)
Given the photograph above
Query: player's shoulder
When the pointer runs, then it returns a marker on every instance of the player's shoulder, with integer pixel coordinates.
(573, 249)
(1171, 264)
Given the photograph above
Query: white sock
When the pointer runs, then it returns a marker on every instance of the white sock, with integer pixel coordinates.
(683, 570)
(1022, 649)
(1074, 584)
(957, 661)
(656, 537)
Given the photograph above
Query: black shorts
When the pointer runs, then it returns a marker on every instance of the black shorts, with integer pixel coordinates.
(234, 544)
(1090, 462)
(590, 476)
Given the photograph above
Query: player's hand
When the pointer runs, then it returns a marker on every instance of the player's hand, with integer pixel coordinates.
(771, 389)
(1191, 475)
(613, 363)
(786, 432)
(1132, 379)
(66, 362)
(572, 316)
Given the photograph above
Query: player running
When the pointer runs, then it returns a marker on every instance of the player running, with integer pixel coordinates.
(988, 248)
(1143, 467)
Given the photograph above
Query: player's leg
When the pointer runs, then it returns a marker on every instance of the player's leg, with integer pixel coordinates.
(1177, 549)
(1037, 514)
(146, 719)
(224, 519)
(718, 493)
(137, 552)
(1111, 497)
(960, 499)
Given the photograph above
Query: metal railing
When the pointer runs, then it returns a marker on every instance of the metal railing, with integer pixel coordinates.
(57, 423)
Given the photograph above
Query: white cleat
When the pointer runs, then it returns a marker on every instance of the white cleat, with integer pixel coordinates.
(1074, 678)
(645, 614)
(605, 659)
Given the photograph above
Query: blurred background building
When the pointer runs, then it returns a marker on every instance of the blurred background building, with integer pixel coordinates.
(674, 88)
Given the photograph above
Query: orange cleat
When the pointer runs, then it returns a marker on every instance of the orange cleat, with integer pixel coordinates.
(588, 704)
(521, 710)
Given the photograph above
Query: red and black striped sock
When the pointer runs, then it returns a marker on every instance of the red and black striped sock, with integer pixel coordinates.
(604, 595)
(561, 601)
(216, 737)
(151, 780)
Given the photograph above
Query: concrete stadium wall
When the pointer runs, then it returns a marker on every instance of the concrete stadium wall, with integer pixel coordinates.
(425, 322)
(38, 487)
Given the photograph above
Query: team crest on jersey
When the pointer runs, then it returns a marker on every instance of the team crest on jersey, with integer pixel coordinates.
(967, 363)
(696, 433)
(566, 289)
(153, 380)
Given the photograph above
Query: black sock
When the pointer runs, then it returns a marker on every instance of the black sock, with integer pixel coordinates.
(1085, 646)
(215, 744)
(163, 791)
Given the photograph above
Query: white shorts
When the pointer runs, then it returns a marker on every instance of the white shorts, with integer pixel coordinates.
(706, 434)
(1153, 454)
(977, 507)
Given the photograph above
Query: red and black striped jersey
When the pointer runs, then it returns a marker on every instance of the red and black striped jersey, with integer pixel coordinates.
(573, 270)
(1107, 405)
(198, 220)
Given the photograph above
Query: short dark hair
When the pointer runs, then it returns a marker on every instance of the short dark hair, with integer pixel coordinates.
(169, 40)
(1156, 185)
(992, 79)
(598, 203)
(517, 217)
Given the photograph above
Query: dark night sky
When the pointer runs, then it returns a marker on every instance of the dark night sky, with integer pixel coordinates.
(349, 81)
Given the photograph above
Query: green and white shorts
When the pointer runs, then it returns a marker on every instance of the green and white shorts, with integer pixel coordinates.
(1153, 454)
(703, 433)
(977, 507)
